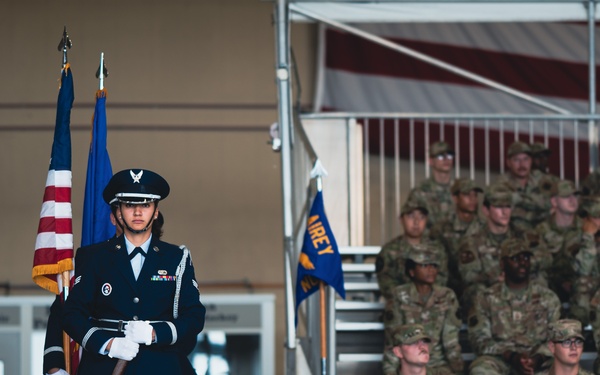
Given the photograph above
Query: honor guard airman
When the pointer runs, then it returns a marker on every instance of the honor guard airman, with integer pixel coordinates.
(136, 298)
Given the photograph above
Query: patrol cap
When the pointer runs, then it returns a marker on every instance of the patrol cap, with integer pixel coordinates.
(564, 329)
(498, 196)
(464, 185)
(564, 188)
(135, 186)
(539, 148)
(413, 204)
(513, 246)
(422, 254)
(408, 334)
(518, 148)
(440, 148)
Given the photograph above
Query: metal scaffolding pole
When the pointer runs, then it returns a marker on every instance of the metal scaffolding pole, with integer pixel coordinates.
(592, 127)
(285, 129)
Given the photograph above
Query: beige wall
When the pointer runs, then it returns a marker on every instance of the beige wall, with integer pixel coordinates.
(191, 93)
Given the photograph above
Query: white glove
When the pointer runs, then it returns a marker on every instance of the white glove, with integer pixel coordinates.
(139, 331)
(123, 348)
(59, 372)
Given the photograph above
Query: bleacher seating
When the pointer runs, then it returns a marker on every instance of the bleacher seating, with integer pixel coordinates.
(359, 325)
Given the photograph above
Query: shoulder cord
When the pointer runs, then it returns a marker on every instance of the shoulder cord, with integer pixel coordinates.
(179, 278)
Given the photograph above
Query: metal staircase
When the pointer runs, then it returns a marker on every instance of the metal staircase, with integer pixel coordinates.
(358, 325)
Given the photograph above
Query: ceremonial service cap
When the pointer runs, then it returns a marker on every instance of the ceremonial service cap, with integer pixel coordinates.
(135, 186)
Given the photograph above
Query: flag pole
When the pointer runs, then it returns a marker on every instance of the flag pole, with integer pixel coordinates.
(64, 45)
(318, 171)
(101, 73)
(66, 280)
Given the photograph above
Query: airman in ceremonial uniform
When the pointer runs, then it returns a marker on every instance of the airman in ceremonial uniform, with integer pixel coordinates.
(531, 204)
(434, 307)
(565, 341)
(136, 298)
(508, 322)
(389, 264)
(435, 191)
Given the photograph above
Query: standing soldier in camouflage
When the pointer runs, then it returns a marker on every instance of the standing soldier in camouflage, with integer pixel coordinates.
(586, 260)
(435, 191)
(531, 205)
(389, 265)
(435, 307)
(561, 235)
(565, 342)
(465, 221)
(411, 346)
(508, 322)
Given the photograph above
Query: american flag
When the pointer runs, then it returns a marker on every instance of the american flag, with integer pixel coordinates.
(54, 243)
(547, 60)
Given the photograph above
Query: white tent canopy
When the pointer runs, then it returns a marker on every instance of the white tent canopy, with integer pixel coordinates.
(441, 11)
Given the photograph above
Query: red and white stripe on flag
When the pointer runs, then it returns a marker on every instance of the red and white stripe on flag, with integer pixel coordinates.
(54, 242)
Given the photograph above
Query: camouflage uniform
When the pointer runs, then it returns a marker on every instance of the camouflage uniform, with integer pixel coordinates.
(438, 315)
(586, 267)
(449, 233)
(436, 196)
(504, 320)
(479, 254)
(595, 322)
(452, 230)
(531, 203)
(561, 243)
(591, 184)
(562, 330)
(537, 150)
(389, 264)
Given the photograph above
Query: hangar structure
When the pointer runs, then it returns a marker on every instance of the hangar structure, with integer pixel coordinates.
(373, 139)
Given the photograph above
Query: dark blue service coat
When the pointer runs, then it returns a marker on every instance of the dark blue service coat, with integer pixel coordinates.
(106, 289)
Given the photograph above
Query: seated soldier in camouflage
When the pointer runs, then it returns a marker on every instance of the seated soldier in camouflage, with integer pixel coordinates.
(561, 235)
(465, 221)
(565, 341)
(435, 307)
(595, 322)
(411, 347)
(586, 260)
(531, 205)
(479, 253)
(435, 191)
(539, 160)
(508, 321)
(389, 265)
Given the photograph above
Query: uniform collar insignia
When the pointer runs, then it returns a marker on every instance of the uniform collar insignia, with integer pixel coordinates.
(156, 249)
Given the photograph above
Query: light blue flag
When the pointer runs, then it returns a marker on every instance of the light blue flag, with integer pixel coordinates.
(96, 213)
